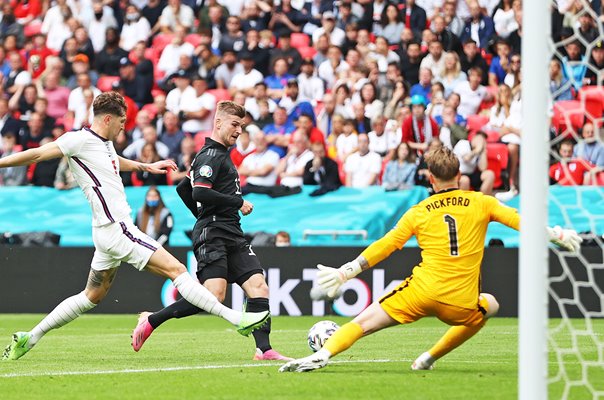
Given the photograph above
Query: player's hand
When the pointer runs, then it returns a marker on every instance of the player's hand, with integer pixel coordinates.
(161, 167)
(330, 279)
(246, 208)
(566, 239)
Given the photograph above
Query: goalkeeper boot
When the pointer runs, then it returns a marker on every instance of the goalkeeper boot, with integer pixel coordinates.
(142, 331)
(17, 347)
(310, 363)
(270, 355)
(250, 321)
(423, 362)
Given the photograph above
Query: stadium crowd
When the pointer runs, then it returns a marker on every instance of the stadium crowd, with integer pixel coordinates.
(337, 92)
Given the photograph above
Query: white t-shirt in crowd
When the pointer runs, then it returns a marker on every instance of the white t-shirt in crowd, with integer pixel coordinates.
(346, 144)
(362, 167)
(469, 99)
(383, 143)
(206, 101)
(259, 160)
(245, 81)
(294, 164)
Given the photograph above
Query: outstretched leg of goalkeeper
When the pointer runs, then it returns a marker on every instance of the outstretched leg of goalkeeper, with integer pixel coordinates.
(457, 335)
(371, 320)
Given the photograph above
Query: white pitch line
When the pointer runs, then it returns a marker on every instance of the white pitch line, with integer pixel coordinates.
(171, 369)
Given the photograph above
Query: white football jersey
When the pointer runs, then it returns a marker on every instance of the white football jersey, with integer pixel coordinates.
(95, 166)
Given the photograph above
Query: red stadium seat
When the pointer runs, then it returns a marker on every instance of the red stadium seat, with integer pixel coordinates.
(194, 39)
(161, 40)
(497, 156)
(157, 92)
(151, 109)
(32, 28)
(569, 116)
(492, 136)
(307, 52)
(299, 40)
(474, 123)
(200, 139)
(220, 94)
(104, 83)
(592, 97)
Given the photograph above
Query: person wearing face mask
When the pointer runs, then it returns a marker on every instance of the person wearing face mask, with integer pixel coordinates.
(101, 20)
(136, 28)
(154, 218)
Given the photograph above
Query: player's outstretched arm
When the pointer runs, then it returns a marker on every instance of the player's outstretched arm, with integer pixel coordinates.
(331, 279)
(27, 157)
(566, 239)
(159, 167)
(185, 192)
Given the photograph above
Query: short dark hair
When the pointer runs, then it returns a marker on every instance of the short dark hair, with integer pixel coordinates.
(231, 108)
(111, 103)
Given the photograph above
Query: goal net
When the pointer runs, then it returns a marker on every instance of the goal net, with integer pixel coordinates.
(575, 334)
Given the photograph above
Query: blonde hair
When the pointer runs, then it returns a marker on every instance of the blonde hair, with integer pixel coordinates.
(442, 163)
(230, 108)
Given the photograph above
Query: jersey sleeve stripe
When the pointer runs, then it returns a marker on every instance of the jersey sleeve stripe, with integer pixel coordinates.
(205, 185)
(104, 203)
(87, 170)
(130, 236)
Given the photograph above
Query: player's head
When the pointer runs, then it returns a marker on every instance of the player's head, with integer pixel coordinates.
(109, 111)
(443, 166)
(228, 122)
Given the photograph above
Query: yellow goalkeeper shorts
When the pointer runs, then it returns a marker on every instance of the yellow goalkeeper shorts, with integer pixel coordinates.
(406, 304)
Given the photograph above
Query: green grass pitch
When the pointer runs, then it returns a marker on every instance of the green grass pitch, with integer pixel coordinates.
(202, 357)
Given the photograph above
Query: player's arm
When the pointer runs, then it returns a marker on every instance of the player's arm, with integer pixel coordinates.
(27, 157)
(159, 167)
(185, 192)
(330, 279)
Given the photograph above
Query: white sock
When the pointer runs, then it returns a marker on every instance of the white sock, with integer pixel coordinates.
(323, 354)
(426, 359)
(68, 310)
(201, 297)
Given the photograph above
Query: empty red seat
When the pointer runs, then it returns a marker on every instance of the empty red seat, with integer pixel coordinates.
(497, 156)
(104, 83)
(200, 139)
(194, 39)
(161, 40)
(307, 52)
(592, 98)
(32, 28)
(220, 94)
(299, 40)
(569, 116)
(474, 123)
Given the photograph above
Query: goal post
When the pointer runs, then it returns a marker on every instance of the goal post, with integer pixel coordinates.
(533, 259)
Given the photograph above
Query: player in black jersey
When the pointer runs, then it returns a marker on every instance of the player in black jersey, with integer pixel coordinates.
(213, 194)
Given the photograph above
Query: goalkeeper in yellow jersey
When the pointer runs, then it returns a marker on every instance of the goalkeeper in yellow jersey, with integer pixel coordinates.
(450, 228)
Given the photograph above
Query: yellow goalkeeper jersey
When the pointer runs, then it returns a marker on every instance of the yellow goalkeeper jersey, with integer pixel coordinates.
(450, 228)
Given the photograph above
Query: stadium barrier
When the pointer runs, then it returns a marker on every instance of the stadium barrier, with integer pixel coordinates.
(36, 279)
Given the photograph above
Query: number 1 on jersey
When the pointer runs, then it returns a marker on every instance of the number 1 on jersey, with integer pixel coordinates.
(449, 220)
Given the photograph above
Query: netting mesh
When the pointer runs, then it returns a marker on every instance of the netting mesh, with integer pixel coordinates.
(576, 283)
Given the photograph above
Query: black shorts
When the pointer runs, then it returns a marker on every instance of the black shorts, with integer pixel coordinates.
(221, 254)
(475, 179)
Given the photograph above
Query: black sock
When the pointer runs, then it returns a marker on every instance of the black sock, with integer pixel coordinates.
(179, 309)
(260, 304)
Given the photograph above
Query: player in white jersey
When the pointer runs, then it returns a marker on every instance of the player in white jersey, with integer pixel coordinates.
(96, 166)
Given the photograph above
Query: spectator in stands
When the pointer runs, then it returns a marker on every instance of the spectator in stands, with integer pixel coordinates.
(108, 59)
(569, 171)
(7, 122)
(286, 19)
(148, 154)
(184, 160)
(14, 176)
(382, 55)
(244, 145)
(170, 56)
(134, 150)
(435, 61)
(254, 18)
(342, 97)
(294, 104)
(176, 15)
(325, 117)
(321, 171)
(322, 47)
(182, 94)
(260, 167)
(135, 86)
(252, 104)
(64, 179)
(372, 105)
(500, 65)
(136, 28)
(400, 170)
(247, 78)
(197, 113)
(81, 65)
(77, 99)
(437, 101)
(41, 107)
(57, 96)
(172, 135)
(574, 64)
(451, 131)
(449, 41)
(17, 76)
(504, 19)
(391, 25)
(67, 54)
(423, 87)
(415, 17)
(471, 93)
(260, 53)
(213, 14)
(478, 27)
(207, 64)
(312, 88)
(452, 74)
(559, 86)
(278, 80)
(419, 128)
(422, 174)
(332, 67)
(336, 36)
(227, 70)
(282, 239)
(587, 28)
(278, 133)
(382, 141)
(23, 101)
(84, 43)
(473, 164)
(363, 167)
(154, 218)
(36, 56)
(590, 148)
(513, 77)
(54, 25)
(362, 124)
(471, 58)
(32, 133)
(347, 142)
(454, 24)
(102, 20)
(233, 37)
(594, 76)
(510, 134)
(410, 62)
(286, 51)
(291, 167)
(45, 171)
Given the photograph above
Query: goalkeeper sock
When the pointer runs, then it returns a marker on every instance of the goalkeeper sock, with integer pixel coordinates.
(180, 309)
(343, 338)
(261, 336)
(452, 339)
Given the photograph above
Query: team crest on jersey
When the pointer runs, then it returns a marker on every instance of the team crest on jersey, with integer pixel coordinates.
(206, 171)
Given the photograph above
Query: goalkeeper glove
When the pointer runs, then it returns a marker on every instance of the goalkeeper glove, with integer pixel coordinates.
(331, 279)
(566, 239)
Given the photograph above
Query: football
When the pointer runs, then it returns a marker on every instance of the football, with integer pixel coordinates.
(319, 333)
